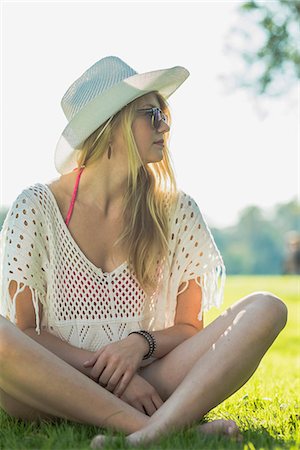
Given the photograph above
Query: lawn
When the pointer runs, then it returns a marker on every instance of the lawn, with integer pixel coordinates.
(266, 408)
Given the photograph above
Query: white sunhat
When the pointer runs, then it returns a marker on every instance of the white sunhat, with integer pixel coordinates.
(99, 93)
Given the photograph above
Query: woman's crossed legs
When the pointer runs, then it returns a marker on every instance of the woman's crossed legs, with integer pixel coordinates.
(190, 378)
(166, 374)
(207, 368)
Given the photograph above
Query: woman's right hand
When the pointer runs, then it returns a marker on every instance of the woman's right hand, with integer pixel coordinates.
(142, 395)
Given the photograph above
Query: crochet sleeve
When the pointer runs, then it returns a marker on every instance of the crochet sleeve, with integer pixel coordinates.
(196, 256)
(23, 255)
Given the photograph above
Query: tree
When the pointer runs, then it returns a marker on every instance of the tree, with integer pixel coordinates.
(257, 244)
(273, 64)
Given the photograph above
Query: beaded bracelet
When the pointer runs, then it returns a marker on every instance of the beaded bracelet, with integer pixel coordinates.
(150, 339)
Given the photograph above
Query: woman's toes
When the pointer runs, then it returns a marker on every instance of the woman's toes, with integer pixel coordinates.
(231, 428)
(220, 426)
(98, 441)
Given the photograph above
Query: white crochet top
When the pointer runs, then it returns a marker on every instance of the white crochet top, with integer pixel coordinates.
(85, 306)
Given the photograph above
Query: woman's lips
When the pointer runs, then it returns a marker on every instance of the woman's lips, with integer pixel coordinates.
(159, 143)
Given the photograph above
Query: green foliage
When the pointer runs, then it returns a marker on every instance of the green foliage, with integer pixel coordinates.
(275, 63)
(266, 408)
(257, 244)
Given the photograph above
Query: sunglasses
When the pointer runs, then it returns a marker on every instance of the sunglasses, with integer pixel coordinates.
(156, 115)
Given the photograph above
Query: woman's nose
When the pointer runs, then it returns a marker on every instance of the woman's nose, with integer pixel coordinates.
(163, 127)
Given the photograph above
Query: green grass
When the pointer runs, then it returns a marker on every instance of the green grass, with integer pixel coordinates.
(266, 408)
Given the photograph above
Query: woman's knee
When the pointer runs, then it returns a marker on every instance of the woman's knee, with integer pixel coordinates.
(275, 309)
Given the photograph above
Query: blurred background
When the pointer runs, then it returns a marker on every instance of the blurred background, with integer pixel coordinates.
(234, 139)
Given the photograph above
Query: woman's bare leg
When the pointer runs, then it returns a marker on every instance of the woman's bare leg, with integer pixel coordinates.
(165, 374)
(37, 378)
(221, 371)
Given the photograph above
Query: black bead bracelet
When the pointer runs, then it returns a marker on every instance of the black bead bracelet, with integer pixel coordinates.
(150, 339)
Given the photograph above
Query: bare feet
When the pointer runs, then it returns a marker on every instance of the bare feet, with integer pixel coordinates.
(153, 432)
(221, 427)
(218, 427)
(99, 441)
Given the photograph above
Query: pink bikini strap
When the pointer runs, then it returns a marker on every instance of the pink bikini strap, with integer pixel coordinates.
(74, 195)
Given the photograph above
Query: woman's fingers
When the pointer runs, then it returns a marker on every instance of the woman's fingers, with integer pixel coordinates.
(105, 375)
(135, 403)
(93, 359)
(149, 406)
(145, 406)
(98, 369)
(113, 380)
(90, 362)
(123, 383)
(138, 405)
(157, 400)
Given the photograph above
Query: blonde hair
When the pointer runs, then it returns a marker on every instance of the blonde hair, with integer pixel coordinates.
(150, 198)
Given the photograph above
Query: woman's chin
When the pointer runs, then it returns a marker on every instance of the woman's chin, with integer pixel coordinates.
(159, 154)
(154, 157)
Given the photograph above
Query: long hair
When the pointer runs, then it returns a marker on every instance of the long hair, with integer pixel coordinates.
(150, 197)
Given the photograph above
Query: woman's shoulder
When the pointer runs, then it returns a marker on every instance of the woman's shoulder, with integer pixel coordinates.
(188, 220)
(34, 203)
(38, 195)
(186, 206)
(27, 198)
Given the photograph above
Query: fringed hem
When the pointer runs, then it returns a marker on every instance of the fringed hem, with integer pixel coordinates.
(212, 293)
(8, 304)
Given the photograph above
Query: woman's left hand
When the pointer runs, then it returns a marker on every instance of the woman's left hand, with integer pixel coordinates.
(117, 363)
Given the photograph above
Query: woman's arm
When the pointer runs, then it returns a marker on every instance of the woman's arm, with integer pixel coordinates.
(186, 323)
(25, 321)
(166, 339)
(72, 355)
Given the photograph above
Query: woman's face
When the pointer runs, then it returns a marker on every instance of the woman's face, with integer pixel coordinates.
(144, 133)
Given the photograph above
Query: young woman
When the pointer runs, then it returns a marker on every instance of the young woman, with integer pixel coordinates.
(105, 273)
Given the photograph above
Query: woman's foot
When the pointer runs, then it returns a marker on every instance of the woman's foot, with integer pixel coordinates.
(221, 427)
(152, 432)
(99, 440)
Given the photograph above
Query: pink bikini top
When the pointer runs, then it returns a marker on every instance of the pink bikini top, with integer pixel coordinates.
(74, 195)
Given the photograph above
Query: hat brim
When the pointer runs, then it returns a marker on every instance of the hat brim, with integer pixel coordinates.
(102, 107)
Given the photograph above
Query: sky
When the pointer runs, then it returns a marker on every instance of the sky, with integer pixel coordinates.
(227, 154)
